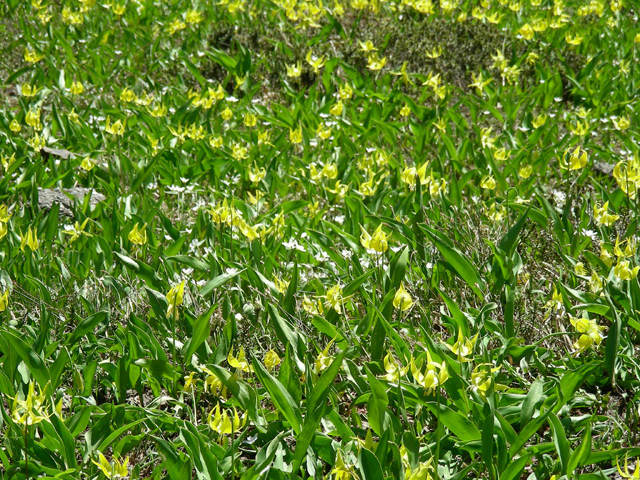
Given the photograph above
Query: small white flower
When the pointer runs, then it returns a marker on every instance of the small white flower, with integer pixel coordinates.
(231, 271)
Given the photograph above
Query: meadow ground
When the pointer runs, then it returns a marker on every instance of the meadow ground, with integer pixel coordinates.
(347, 240)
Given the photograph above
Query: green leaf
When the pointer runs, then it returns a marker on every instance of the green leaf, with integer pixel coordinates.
(580, 455)
(369, 465)
(460, 262)
(218, 282)
(279, 396)
(85, 326)
(378, 402)
(560, 442)
(32, 360)
(201, 331)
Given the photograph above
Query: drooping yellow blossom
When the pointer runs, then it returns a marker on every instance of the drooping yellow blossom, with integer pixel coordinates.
(316, 62)
(577, 159)
(402, 299)
(30, 411)
(323, 360)
(377, 242)
(591, 333)
(220, 421)
(482, 379)
(602, 215)
(393, 369)
(433, 376)
(113, 469)
(116, 128)
(295, 136)
(623, 271)
(256, 175)
(625, 473)
(463, 347)
(312, 306)
(138, 236)
(4, 300)
(240, 362)
(271, 360)
(294, 71)
(488, 182)
(281, 285)
(175, 298)
(30, 239)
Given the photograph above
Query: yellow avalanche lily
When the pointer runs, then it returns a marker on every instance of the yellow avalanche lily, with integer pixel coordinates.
(113, 469)
(402, 299)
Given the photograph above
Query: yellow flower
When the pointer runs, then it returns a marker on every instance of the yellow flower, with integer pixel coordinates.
(539, 121)
(367, 46)
(621, 123)
(256, 175)
(271, 360)
(501, 154)
(29, 91)
(116, 128)
(526, 31)
(240, 362)
(76, 231)
(294, 71)
(434, 375)
(341, 471)
(625, 473)
(316, 62)
(312, 307)
(463, 347)
(115, 469)
(624, 272)
(127, 95)
(175, 298)
(334, 298)
(375, 63)
(394, 371)
(33, 119)
(295, 136)
(281, 285)
(226, 114)
(4, 229)
(30, 239)
(189, 383)
(31, 56)
(157, 111)
(212, 382)
(138, 236)
(336, 108)
(488, 182)
(402, 299)
(14, 126)
(482, 378)
(345, 92)
(579, 269)
(193, 16)
(4, 301)
(591, 333)
(602, 215)
(88, 164)
(250, 119)
(323, 360)
(575, 40)
(577, 159)
(377, 242)
(221, 421)
(5, 215)
(405, 111)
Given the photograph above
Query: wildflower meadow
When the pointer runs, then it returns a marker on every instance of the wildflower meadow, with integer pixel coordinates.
(319, 239)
